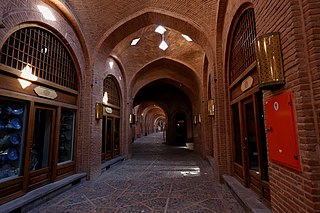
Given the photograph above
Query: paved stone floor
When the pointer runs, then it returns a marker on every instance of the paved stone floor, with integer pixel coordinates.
(158, 178)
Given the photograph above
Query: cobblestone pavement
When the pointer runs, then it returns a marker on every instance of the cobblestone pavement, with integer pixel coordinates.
(158, 178)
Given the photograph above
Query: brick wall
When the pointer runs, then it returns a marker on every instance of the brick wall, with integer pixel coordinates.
(296, 21)
(299, 26)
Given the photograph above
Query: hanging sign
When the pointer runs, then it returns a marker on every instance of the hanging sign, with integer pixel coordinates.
(45, 92)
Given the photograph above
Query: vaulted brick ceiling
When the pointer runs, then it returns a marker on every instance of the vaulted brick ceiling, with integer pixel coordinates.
(99, 19)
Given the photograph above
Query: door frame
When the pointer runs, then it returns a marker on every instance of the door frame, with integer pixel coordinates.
(184, 128)
(252, 177)
(107, 155)
(52, 164)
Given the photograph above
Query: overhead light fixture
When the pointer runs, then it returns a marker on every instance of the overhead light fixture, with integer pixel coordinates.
(135, 41)
(47, 14)
(186, 37)
(160, 30)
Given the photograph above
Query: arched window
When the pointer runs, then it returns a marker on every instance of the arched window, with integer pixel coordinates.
(242, 46)
(43, 52)
(110, 87)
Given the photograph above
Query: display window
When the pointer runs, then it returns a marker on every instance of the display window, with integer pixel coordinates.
(13, 115)
(38, 108)
(66, 136)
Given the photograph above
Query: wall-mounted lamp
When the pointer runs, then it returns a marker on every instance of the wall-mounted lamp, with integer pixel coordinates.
(132, 119)
(269, 61)
(211, 107)
(195, 120)
(99, 111)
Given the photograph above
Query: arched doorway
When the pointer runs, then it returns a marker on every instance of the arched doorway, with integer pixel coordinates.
(249, 142)
(111, 120)
(180, 128)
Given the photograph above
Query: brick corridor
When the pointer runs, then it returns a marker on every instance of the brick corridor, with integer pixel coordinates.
(158, 178)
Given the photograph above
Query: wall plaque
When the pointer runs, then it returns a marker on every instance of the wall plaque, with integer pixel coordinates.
(45, 92)
(246, 83)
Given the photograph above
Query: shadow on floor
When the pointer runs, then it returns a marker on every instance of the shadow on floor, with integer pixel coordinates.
(158, 178)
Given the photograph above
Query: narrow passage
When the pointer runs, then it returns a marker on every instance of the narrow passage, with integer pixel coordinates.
(158, 178)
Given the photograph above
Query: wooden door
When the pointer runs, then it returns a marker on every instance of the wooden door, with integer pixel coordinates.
(250, 145)
(116, 137)
(107, 138)
(41, 148)
(180, 129)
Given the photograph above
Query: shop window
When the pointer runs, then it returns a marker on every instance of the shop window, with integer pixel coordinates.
(12, 137)
(66, 136)
(43, 52)
(242, 45)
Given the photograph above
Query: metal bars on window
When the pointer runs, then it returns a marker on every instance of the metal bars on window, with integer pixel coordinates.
(110, 86)
(243, 46)
(43, 52)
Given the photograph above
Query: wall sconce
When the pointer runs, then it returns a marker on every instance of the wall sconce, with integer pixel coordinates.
(269, 61)
(132, 119)
(211, 107)
(199, 118)
(99, 111)
(195, 120)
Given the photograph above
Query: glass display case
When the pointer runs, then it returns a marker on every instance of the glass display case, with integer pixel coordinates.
(12, 132)
(66, 136)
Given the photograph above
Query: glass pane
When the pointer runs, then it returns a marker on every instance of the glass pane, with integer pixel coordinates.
(236, 134)
(66, 136)
(12, 131)
(109, 132)
(41, 139)
(251, 136)
(116, 133)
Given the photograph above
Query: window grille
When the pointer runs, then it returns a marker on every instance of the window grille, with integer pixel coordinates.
(43, 52)
(243, 46)
(110, 86)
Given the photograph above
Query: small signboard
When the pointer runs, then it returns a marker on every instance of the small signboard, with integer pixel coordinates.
(108, 110)
(45, 92)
